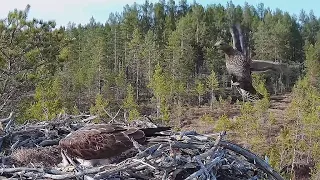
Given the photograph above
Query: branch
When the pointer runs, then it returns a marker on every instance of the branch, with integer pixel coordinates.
(112, 117)
(252, 158)
(5, 120)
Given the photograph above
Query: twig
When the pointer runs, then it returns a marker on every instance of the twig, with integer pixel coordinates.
(214, 148)
(88, 119)
(136, 160)
(204, 169)
(110, 116)
(5, 120)
(114, 117)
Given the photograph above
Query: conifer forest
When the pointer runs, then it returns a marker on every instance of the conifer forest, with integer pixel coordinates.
(158, 60)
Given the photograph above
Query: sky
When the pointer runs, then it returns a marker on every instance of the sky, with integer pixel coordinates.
(80, 11)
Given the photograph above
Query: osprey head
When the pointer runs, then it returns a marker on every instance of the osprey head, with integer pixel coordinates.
(221, 45)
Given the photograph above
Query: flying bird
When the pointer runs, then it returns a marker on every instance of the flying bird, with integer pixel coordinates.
(238, 64)
(100, 143)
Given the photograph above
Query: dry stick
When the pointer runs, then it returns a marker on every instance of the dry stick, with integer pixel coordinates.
(78, 116)
(49, 142)
(253, 158)
(89, 118)
(137, 160)
(19, 169)
(48, 173)
(71, 161)
(6, 129)
(14, 145)
(112, 117)
(6, 119)
(105, 173)
(215, 146)
(203, 168)
(204, 155)
(73, 175)
(125, 165)
(115, 116)
(209, 166)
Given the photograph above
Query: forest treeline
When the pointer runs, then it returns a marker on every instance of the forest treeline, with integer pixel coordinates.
(154, 58)
(158, 54)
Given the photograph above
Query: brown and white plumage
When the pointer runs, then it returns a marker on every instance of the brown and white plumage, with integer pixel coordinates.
(237, 62)
(103, 141)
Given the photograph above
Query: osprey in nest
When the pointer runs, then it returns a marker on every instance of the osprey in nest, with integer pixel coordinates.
(239, 65)
(101, 143)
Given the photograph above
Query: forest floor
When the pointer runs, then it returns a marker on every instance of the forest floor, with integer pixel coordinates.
(191, 119)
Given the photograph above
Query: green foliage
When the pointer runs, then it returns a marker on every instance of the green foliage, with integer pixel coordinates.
(250, 126)
(262, 105)
(102, 58)
(315, 173)
(130, 105)
(99, 107)
(275, 35)
(162, 49)
(259, 82)
(274, 156)
(312, 63)
(160, 86)
(303, 115)
(272, 119)
(213, 85)
(223, 102)
(206, 118)
(212, 81)
(64, 54)
(120, 82)
(179, 90)
(48, 102)
(165, 111)
(224, 124)
(200, 89)
(29, 57)
(75, 111)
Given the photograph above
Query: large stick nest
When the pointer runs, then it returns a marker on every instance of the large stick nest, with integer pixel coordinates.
(30, 151)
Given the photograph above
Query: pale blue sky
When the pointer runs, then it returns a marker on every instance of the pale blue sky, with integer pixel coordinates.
(80, 11)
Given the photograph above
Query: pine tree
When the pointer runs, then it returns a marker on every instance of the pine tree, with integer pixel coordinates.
(130, 105)
(48, 101)
(31, 53)
(160, 85)
(99, 107)
(135, 56)
(200, 89)
(213, 84)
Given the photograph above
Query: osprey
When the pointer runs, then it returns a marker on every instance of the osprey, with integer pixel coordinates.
(100, 143)
(238, 64)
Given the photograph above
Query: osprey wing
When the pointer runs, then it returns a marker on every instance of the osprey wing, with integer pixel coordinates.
(100, 141)
(235, 38)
